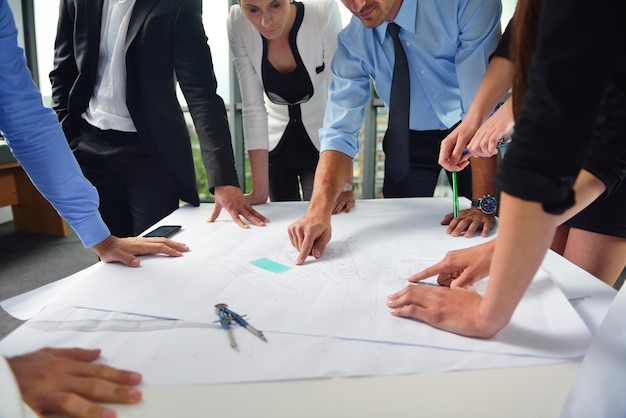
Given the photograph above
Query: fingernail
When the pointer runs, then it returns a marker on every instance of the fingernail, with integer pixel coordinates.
(134, 378)
(107, 413)
(134, 395)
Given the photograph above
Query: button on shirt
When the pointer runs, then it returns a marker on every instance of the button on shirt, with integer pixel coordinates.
(447, 44)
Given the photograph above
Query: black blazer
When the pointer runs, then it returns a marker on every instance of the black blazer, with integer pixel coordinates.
(166, 41)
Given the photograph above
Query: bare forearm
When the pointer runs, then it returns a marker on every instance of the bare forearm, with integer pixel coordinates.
(332, 171)
(259, 169)
(483, 171)
(496, 83)
(526, 232)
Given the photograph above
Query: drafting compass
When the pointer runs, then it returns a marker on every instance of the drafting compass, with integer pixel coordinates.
(227, 317)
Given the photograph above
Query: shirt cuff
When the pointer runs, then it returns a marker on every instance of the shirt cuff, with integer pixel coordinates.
(330, 141)
(91, 230)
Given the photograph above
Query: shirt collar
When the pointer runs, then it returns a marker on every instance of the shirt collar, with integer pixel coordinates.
(406, 19)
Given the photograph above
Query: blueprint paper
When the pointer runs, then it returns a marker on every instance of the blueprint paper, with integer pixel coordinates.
(374, 248)
(599, 390)
(589, 296)
(177, 352)
(29, 304)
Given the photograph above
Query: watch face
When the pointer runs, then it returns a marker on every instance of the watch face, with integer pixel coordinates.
(488, 204)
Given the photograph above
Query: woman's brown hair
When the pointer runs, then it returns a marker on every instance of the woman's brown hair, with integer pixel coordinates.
(524, 39)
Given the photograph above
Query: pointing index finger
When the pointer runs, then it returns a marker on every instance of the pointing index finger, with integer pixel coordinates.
(426, 273)
(305, 250)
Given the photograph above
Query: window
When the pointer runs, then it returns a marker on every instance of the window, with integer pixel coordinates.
(46, 16)
(215, 13)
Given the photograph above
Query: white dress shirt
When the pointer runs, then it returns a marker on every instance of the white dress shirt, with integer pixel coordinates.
(107, 106)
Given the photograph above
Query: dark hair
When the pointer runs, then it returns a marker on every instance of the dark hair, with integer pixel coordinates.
(525, 24)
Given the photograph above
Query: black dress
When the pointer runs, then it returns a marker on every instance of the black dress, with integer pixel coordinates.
(293, 161)
(602, 151)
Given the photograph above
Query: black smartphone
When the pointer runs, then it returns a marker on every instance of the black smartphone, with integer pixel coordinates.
(165, 231)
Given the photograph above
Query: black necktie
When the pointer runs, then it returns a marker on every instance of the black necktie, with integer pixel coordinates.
(396, 140)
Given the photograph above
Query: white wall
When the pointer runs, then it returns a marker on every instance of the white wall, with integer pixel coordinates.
(508, 7)
(5, 215)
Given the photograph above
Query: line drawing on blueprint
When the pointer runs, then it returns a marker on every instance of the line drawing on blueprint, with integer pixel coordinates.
(577, 301)
(117, 325)
(199, 337)
(343, 269)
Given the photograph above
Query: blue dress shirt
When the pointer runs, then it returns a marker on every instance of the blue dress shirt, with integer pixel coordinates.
(447, 43)
(37, 141)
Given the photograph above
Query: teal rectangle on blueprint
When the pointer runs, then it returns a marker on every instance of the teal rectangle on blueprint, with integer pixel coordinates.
(269, 265)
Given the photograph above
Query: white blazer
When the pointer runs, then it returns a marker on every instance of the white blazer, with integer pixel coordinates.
(263, 121)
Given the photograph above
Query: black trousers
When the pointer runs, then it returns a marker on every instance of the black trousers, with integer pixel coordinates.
(293, 162)
(134, 194)
(424, 169)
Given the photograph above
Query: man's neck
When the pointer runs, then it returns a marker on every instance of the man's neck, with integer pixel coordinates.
(394, 10)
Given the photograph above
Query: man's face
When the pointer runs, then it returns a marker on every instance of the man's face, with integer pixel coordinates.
(373, 12)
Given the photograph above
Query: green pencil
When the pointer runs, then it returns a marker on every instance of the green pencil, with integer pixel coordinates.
(455, 196)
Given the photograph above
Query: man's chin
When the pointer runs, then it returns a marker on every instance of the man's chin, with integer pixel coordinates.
(370, 18)
(371, 22)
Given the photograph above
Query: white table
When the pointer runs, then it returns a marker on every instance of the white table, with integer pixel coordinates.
(532, 391)
(522, 392)
(536, 392)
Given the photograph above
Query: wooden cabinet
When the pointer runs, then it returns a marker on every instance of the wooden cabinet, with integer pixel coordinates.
(31, 211)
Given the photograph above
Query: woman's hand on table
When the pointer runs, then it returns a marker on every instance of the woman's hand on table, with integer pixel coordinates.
(344, 202)
(460, 268)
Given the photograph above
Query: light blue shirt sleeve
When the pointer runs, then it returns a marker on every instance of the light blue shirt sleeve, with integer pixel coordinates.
(348, 93)
(447, 44)
(37, 141)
